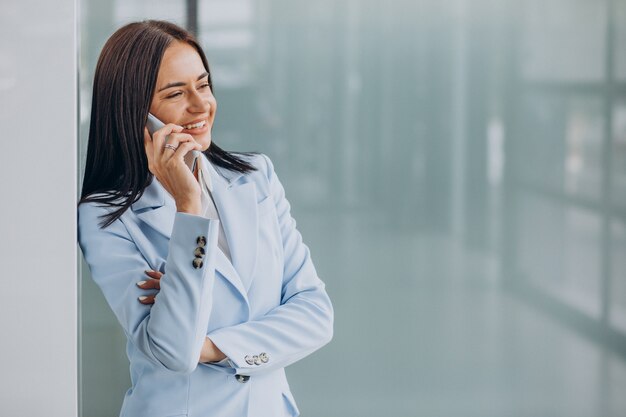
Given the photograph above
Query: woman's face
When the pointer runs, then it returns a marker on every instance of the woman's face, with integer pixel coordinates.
(182, 95)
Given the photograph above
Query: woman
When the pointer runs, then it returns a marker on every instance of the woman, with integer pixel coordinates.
(238, 296)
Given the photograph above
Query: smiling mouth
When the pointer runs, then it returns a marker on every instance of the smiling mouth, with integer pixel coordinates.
(195, 125)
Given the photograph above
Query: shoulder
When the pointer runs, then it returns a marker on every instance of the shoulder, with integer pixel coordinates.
(264, 176)
(261, 162)
(263, 167)
(93, 208)
(92, 214)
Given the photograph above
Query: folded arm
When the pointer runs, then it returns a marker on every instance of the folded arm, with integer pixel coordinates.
(301, 324)
(171, 332)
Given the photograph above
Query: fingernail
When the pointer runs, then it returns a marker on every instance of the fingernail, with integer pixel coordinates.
(147, 271)
(143, 298)
(140, 283)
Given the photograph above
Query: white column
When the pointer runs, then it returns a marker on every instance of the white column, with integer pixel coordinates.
(38, 280)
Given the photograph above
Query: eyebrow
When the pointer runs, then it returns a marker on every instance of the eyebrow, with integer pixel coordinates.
(180, 83)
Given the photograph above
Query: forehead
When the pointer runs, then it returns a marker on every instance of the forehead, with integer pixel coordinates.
(180, 62)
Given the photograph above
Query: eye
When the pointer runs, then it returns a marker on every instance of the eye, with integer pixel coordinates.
(174, 95)
(205, 85)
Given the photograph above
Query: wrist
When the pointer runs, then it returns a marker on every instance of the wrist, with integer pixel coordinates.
(210, 352)
(189, 208)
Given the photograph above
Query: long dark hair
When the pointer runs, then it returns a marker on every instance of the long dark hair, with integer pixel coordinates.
(116, 170)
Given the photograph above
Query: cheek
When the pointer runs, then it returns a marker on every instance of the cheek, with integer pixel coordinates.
(166, 114)
(212, 103)
(154, 109)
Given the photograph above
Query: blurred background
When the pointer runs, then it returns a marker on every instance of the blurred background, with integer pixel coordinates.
(458, 170)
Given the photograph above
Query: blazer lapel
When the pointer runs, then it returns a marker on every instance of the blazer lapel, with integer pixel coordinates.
(236, 205)
(157, 208)
(225, 268)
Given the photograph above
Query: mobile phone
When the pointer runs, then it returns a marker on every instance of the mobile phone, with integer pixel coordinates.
(153, 124)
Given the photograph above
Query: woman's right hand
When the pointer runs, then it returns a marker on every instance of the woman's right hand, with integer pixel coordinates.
(168, 165)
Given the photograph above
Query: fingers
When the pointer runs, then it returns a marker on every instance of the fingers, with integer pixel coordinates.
(176, 139)
(176, 147)
(149, 284)
(154, 274)
(153, 283)
(159, 137)
(147, 299)
(166, 161)
(186, 147)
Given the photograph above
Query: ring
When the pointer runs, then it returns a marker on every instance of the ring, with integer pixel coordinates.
(170, 146)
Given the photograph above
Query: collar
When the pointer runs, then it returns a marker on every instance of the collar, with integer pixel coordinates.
(204, 175)
(155, 195)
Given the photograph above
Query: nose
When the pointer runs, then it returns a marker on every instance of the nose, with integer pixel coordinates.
(197, 104)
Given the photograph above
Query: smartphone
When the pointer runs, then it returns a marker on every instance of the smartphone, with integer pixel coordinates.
(153, 124)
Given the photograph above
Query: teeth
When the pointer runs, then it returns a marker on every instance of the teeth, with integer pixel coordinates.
(195, 126)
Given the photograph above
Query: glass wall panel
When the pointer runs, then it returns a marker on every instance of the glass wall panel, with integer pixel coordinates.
(618, 154)
(618, 272)
(438, 157)
(104, 376)
(619, 19)
(228, 33)
(559, 251)
(562, 143)
(563, 40)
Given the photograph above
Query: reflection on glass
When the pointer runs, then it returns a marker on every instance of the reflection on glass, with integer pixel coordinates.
(226, 32)
(559, 251)
(618, 196)
(540, 158)
(617, 311)
(564, 40)
(392, 126)
(619, 43)
(562, 144)
(583, 147)
(129, 11)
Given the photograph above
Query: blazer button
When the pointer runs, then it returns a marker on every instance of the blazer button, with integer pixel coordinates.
(249, 360)
(256, 359)
(264, 357)
(201, 241)
(199, 252)
(242, 378)
(197, 263)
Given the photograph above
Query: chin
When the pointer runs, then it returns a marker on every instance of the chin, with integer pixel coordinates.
(205, 144)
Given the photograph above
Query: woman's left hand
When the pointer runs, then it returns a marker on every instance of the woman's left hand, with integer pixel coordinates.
(153, 283)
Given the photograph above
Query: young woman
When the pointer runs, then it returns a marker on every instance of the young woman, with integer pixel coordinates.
(193, 247)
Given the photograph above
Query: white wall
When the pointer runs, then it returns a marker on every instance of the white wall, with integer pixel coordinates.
(38, 285)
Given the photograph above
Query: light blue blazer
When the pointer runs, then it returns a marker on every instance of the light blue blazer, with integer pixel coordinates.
(268, 303)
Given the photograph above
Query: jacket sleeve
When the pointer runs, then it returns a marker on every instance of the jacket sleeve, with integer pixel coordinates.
(301, 324)
(172, 331)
